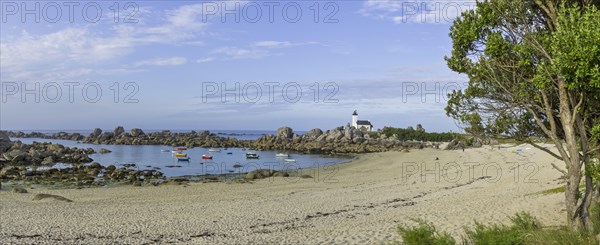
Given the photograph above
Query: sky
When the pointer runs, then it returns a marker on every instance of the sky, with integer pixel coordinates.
(254, 65)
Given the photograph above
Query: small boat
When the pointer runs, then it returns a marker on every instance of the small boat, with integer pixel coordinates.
(214, 150)
(183, 159)
(207, 157)
(181, 149)
(290, 160)
(229, 153)
(175, 151)
(251, 155)
(164, 151)
(180, 155)
(281, 155)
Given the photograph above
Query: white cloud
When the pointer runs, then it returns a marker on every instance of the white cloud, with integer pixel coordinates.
(272, 44)
(172, 61)
(281, 44)
(241, 53)
(205, 60)
(27, 55)
(424, 11)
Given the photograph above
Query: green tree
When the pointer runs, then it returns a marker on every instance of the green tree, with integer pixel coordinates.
(534, 69)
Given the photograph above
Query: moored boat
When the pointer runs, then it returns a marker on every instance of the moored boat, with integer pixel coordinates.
(181, 149)
(214, 150)
(281, 155)
(290, 160)
(164, 150)
(180, 155)
(183, 159)
(251, 155)
(207, 157)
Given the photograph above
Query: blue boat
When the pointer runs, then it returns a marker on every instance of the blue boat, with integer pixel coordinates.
(183, 159)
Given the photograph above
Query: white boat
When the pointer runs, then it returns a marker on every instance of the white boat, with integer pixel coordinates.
(290, 160)
(214, 150)
(281, 155)
(175, 151)
(164, 151)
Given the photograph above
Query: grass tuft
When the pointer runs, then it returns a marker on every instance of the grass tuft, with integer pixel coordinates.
(424, 233)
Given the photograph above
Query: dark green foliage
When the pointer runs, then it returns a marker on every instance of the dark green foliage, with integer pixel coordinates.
(419, 135)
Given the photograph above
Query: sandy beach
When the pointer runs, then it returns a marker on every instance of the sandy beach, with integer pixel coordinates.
(354, 203)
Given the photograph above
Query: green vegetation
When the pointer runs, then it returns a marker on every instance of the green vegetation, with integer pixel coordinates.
(523, 225)
(534, 71)
(424, 233)
(419, 135)
(523, 230)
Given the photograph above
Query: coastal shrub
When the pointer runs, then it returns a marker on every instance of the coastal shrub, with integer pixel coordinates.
(562, 236)
(405, 134)
(524, 229)
(424, 233)
(523, 224)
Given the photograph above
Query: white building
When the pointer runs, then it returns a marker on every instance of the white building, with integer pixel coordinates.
(364, 125)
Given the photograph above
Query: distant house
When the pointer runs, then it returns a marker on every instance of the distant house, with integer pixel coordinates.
(364, 125)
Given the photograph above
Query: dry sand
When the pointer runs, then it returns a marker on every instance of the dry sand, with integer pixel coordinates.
(354, 203)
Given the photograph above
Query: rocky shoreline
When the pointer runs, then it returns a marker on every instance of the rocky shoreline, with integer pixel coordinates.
(334, 141)
(20, 162)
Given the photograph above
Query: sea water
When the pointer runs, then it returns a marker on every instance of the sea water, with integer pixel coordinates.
(146, 157)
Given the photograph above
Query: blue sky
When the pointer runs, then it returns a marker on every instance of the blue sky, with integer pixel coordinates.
(180, 65)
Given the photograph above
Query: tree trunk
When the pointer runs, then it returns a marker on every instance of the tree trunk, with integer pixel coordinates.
(586, 202)
(574, 171)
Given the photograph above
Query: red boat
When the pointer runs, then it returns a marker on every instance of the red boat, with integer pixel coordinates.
(206, 157)
(181, 149)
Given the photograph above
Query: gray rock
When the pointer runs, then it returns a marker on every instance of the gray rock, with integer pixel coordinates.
(136, 132)
(5, 142)
(97, 132)
(118, 131)
(314, 133)
(48, 161)
(348, 132)
(285, 133)
(455, 145)
(104, 151)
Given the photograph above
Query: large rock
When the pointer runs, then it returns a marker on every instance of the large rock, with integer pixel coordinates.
(314, 133)
(455, 145)
(136, 132)
(285, 133)
(97, 132)
(348, 132)
(5, 142)
(118, 131)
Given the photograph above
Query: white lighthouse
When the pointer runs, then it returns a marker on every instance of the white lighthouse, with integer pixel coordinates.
(354, 119)
(364, 125)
